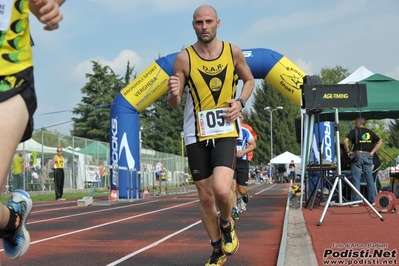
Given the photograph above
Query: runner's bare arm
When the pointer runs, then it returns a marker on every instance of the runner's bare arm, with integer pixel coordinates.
(47, 12)
(244, 73)
(246, 76)
(178, 80)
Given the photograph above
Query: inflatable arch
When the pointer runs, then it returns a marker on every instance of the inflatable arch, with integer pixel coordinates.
(152, 83)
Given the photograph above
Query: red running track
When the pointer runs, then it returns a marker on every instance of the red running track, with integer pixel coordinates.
(153, 231)
(353, 236)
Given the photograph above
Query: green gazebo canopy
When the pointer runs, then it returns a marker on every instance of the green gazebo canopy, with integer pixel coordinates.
(382, 97)
(95, 149)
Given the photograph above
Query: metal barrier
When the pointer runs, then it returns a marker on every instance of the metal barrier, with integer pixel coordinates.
(139, 182)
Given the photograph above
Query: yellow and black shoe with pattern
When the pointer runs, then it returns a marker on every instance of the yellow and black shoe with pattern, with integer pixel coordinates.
(217, 258)
(230, 243)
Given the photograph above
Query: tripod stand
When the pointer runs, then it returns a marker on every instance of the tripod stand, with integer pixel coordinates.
(321, 178)
(343, 177)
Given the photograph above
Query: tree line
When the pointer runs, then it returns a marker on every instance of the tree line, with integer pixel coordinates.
(162, 125)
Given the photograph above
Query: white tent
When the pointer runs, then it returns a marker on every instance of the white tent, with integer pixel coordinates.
(31, 145)
(360, 74)
(286, 158)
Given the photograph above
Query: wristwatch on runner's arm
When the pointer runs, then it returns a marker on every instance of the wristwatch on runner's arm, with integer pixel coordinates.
(242, 102)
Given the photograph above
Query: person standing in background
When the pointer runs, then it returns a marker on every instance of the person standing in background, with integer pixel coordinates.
(292, 168)
(269, 173)
(159, 170)
(365, 143)
(375, 166)
(57, 165)
(281, 172)
(257, 175)
(17, 172)
(17, 105)
(35, 178)
(102, 172)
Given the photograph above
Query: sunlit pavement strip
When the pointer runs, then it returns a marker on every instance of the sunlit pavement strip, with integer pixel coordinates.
(296, 246)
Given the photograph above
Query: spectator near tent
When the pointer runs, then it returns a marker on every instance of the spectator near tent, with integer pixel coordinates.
(281, 172)
(292, 167)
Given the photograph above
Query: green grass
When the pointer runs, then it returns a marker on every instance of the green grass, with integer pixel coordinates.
(74, 195)
(46, 196)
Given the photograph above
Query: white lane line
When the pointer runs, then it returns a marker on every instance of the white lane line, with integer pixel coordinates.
(86, 213)
(152, 245)
(164, 239)
(109, 223)
(261, 191)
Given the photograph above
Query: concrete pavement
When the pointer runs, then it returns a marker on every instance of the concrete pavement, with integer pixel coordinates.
(296, 245)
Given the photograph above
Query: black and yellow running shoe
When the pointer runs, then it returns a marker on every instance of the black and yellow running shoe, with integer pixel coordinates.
(230, 243)
(217, 258)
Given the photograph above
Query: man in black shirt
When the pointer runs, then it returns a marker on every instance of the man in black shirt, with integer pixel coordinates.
(365, 145)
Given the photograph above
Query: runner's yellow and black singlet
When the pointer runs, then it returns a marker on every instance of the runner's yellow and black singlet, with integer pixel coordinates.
(16, 66)
(59, 162)
(210, 84)
(15, 44)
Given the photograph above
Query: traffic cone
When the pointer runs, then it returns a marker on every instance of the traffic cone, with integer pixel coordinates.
(113, 196)
(145, 193)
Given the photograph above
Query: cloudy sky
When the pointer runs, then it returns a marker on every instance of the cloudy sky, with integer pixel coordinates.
(313, 34)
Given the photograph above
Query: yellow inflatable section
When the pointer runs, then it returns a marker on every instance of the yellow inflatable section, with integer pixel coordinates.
(265, 64)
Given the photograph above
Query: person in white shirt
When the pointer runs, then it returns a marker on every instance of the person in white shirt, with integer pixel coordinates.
(159, 169)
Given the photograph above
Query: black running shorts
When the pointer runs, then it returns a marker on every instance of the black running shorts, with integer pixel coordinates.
(241, 173)
(21, 83)
(204, 156)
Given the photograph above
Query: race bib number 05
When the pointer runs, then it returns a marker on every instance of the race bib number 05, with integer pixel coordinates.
(212, 122)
